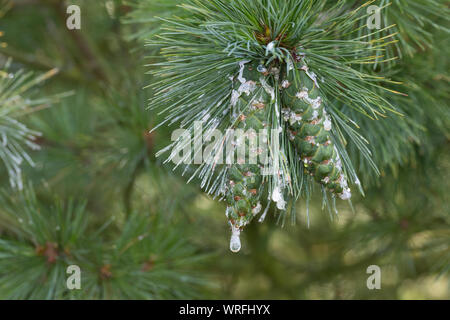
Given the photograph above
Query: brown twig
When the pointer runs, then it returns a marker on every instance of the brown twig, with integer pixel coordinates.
(89, 57)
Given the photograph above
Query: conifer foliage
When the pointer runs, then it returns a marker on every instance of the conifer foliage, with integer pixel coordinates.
(305, 57)
(332, 115)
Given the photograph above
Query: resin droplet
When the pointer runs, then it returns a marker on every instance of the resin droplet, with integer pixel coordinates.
(235, 241)
(277, 196)
(271, 47)
(262, 69)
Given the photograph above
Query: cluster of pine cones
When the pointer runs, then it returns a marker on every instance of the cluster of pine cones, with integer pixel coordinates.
(257, 88)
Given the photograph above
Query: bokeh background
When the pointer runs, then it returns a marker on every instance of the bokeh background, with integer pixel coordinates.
(98, 197)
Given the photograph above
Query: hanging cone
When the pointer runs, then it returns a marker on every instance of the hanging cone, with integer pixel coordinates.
(251, 104)
(309, 128)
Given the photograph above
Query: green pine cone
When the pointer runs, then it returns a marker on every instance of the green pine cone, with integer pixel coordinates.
(244, 188)
(309, 129)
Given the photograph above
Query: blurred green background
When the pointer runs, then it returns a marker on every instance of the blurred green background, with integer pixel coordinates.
(97, 196)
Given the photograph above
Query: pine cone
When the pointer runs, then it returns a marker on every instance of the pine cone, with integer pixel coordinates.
(251, 103)
(309, 128)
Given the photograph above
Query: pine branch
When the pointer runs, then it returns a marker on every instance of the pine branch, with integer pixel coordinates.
(146, 259)
(204, 49)
(16, 137)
